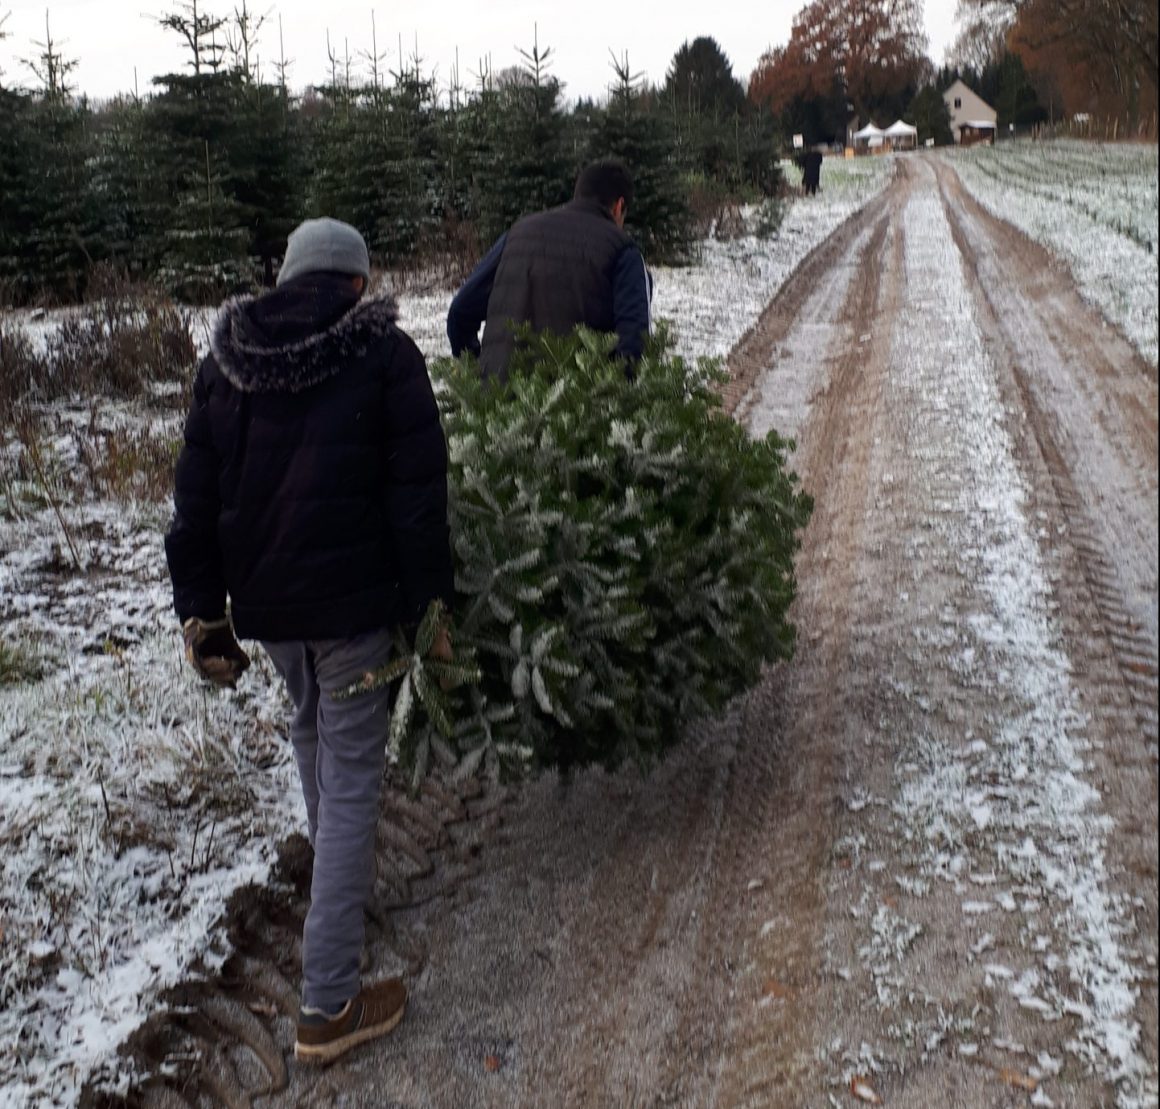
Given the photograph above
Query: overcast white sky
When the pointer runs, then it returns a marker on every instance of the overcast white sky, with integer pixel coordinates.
(108, 38)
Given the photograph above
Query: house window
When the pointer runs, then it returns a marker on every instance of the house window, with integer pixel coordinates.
(958, 101)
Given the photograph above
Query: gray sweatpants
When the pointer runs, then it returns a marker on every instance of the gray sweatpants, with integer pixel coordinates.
(340, 746)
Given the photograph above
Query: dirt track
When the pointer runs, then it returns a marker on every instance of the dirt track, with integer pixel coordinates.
(922, 857)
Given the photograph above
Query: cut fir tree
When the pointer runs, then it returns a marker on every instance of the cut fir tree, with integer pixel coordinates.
(624, 562)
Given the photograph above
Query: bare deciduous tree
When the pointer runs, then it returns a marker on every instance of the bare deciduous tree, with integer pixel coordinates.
(982, 36)
(861, 50)
(1115, 41)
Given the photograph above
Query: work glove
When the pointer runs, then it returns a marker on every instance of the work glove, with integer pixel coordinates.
(213, 651)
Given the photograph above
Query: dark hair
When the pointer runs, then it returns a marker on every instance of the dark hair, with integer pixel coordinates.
(605, 182)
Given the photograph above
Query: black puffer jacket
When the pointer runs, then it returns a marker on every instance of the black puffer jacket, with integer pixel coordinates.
(312, 486)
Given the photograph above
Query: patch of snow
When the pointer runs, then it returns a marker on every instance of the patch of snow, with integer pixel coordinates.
(135, 803)
(712, 304)
(977, 908)
(1045, 832)
(1093, 205)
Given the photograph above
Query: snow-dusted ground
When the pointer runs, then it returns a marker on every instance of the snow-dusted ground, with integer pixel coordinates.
(1009, 817)
(979, 915)
(133, 802)
(1093, 205)
(712, 305)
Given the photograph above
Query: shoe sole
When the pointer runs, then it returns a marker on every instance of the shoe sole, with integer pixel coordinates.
(320, 1054)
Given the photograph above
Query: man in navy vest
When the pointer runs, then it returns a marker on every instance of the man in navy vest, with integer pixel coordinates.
(555, 270)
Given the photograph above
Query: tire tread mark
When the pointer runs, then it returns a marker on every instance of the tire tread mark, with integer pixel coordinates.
(1101, 580)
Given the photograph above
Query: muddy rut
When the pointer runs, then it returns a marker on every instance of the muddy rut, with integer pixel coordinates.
(918, 864)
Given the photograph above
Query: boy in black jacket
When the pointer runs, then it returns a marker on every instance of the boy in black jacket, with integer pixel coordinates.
(312, 491)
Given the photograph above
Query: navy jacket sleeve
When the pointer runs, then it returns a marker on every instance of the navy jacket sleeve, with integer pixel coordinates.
(631, 303)
(416, 486)
(191, 546)
(469, 307)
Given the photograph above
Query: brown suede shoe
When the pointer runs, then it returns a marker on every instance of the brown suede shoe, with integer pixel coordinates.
(374, 1012)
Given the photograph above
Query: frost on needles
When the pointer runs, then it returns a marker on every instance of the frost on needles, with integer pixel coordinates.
(624, 562)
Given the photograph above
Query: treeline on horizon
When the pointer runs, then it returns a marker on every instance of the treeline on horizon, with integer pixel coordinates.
(194, 187)
(849, 62)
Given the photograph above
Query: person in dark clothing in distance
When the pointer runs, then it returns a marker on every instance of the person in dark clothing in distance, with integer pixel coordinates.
(311, 491)
(558, 269)
(810, 163)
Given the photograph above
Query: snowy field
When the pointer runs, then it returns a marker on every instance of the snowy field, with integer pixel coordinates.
(134, 802)
(1093, 205)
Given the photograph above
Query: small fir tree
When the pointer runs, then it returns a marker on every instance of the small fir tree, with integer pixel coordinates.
(203, 242)
(516, 128)
(194, 128)
(374, 155)
(624, 561)
(265, 170)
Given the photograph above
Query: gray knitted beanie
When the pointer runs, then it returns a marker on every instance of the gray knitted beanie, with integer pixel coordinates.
(325, 246)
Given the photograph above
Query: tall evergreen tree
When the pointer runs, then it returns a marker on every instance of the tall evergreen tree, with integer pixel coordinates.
(1014, 96)
(48, 219)
(123, 169)
(700, 81)
(720, 137)
(16, 131)
(517, 133)
(193, 126)
(929, 113)
(659, 215)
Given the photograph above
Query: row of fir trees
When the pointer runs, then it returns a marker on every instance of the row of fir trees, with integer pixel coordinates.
(196, 185)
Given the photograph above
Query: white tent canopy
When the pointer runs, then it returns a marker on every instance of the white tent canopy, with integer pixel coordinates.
(899, 129)
(869, 132)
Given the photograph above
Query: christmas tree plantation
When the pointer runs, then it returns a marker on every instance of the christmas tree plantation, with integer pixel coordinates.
(624, 561)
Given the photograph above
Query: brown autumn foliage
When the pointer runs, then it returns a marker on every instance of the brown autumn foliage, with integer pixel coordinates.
(866, 50)
(1095, 56)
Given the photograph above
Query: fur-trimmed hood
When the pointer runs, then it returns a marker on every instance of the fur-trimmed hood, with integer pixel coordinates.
(291, 339)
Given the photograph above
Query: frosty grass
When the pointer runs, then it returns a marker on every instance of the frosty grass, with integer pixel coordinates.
(1093, 205)
(133, 801)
